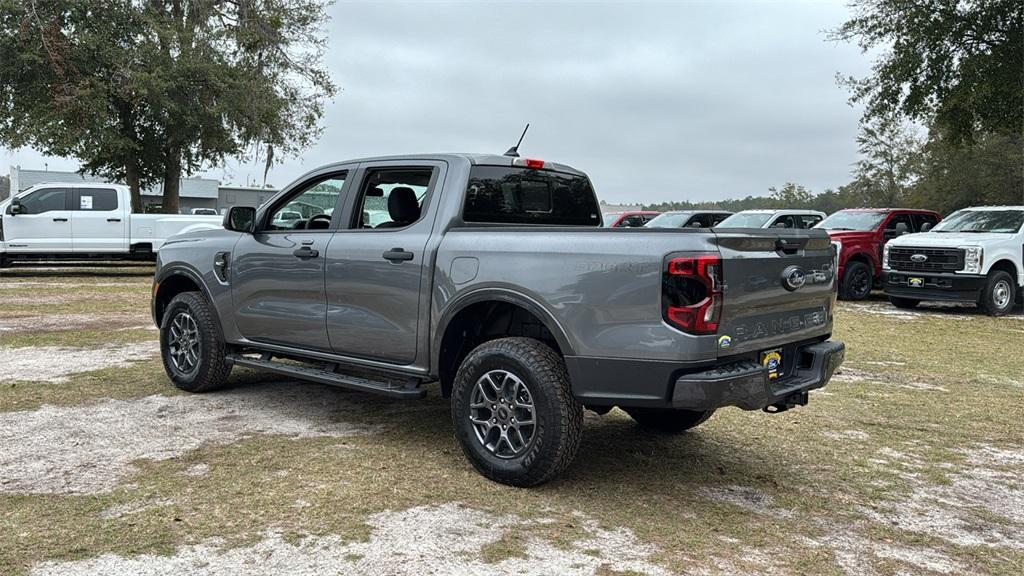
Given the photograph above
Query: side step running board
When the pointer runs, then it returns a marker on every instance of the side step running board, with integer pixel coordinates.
(328, 377)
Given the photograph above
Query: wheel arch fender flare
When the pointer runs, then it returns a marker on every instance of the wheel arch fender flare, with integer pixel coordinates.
(506, 295)
(186, 271)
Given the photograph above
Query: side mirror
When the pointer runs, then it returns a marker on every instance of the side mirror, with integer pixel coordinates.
(240, 219)
(901, 228)
(926, 226)
(16, 207)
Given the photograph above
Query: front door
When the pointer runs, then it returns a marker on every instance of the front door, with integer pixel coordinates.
(97, 221)
(278, 271)
(375, 265)
(44, 224)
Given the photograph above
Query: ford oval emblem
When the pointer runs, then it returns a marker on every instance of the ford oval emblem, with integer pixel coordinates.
(918, 258)
(793, 278)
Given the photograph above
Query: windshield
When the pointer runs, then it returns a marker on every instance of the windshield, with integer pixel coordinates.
(999, 221)
(669, 220)
(609, 219)
(862, 221)
(748, 220)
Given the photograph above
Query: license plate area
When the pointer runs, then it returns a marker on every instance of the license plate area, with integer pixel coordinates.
(772, 360)
(915, 282)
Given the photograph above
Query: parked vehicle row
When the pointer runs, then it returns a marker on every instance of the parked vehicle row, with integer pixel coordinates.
(796, 219)
(494, 276)
(85, 221)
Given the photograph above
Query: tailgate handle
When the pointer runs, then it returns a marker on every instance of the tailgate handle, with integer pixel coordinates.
(783, 245)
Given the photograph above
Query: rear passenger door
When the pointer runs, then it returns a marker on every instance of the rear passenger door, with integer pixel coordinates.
(97, 221)
(376, 261)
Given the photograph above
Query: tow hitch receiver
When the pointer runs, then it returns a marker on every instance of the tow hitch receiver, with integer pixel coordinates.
(792, 401)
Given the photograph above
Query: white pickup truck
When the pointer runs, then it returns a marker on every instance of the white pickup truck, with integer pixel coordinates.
(974, 255)
(78, 221)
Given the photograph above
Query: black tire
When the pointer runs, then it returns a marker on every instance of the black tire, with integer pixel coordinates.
(210, 370)
(557, 416)
(667, 420)
(904, 303)
(997, 298)
(857, 281)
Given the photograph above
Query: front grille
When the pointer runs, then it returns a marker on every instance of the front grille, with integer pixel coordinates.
(935, 259)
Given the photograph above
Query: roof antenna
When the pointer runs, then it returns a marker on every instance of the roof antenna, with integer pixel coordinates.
(514, 151)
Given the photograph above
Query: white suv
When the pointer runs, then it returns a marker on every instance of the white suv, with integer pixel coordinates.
(974, 255)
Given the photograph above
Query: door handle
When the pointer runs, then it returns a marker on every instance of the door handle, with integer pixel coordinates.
(60, 219)
(113, 219)
(397, 255)
(306, 253)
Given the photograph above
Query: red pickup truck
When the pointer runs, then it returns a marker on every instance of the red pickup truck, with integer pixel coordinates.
(861, 233)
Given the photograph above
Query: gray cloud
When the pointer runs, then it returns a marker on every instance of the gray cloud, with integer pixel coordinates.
(656, 101)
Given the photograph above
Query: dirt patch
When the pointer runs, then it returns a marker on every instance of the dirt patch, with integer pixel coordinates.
(56, 364)
(981, 505)
(744, 497)
(444, 539)
(64, 322)
(889, 311)
(89, 449)
(854, 554)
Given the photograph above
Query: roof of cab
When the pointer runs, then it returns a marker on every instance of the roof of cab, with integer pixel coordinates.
(474, 159)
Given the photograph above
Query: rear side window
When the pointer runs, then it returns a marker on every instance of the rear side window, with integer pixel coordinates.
(96, 199)
(506, 195)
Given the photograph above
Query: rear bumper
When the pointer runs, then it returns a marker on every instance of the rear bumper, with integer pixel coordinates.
(743, 383)
(946, 287)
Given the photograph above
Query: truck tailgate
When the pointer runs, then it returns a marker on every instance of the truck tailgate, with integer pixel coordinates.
(778, 288)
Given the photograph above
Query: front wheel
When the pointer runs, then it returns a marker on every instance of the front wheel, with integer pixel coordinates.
(667, 420)
(997, 296)
(857, 281)
(904, 303)
(514, 412)
(190, 344)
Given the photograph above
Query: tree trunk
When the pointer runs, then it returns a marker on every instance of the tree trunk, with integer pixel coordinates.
(132, 179)
(172, 179)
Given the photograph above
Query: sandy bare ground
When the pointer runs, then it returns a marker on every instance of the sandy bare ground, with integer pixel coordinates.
(68, 322)
(56, 364)
(441, 540)
(90, 449)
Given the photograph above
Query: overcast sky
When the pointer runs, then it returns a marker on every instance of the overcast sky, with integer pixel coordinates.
(687, 101)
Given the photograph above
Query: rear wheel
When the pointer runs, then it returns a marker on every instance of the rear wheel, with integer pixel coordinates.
(998, 295)
(190, 344)
(667, 420)
(514, 412)
(857, 281)
(905, 303)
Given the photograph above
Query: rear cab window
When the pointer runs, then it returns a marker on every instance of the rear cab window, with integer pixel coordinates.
(513, 195)
(95, 200)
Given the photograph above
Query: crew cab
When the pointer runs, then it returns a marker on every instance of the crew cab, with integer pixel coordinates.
(85, 221)
(492, 276)
(974, 255)
(773, 219)
(860, 234)
(688, 219)
(628, 219)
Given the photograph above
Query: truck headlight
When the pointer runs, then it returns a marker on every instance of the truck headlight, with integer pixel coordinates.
(973, 258)
(885, 257)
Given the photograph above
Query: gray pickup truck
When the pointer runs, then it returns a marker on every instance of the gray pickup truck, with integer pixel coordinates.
(493, 276)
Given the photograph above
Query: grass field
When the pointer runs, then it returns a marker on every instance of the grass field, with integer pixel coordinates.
(909, 462)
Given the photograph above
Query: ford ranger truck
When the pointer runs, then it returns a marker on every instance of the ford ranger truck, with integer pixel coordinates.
(85, 221)
(493, 277)
(859, 235)
(975, 255)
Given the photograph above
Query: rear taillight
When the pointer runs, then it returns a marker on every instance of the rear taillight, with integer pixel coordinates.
(692, 293)
(531, 163)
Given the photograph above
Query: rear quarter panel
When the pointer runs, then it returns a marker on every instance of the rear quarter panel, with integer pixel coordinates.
(601, 286)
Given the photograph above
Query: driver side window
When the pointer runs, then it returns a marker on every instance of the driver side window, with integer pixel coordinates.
(311, 208)
(45, 200)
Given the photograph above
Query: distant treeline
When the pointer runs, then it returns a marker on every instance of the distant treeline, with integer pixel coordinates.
(899, 169)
